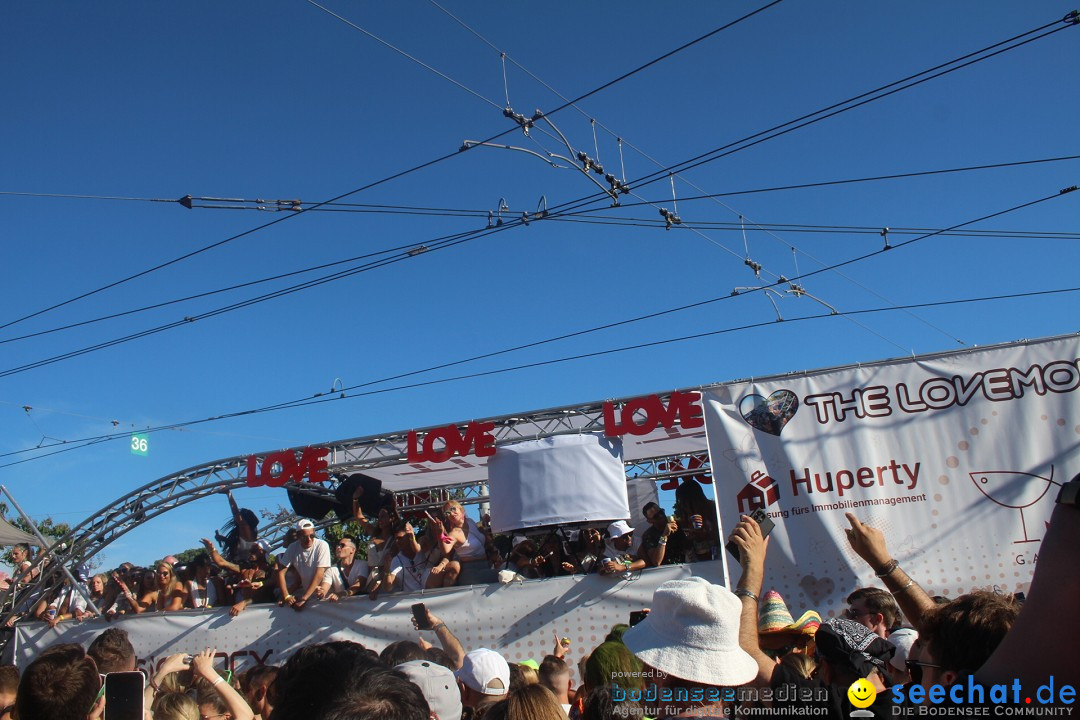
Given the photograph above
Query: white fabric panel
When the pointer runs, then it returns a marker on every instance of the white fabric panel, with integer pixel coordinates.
(640, 493)
(470, 469)
(957, 458)
(518, 620)
(556, 481)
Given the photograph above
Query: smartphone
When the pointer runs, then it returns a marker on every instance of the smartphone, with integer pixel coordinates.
(637, 616)
(419, 611)
(124, 696)
(766, 524)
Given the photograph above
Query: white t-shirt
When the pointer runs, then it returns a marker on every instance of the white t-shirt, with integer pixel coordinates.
(414, 571)
(201, 599)
(307, 562)
(340, 585)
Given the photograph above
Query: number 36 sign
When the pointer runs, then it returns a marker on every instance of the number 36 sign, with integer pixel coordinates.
(139, 445)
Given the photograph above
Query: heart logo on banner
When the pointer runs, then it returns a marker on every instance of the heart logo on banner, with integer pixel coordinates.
(817, 589)
(769, 414)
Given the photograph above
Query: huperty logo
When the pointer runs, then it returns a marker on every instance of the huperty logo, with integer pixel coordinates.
(761, 492)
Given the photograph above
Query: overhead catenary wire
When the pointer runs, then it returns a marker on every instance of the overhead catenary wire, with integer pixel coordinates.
(384, 180)
(836, 108)
(680, 308)
(330, 206)
(248, 302)
(250, 283)
(334, 397)
(670, 220)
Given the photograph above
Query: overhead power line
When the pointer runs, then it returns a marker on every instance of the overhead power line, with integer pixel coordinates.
(1070, 20)
(334, 397)
(264, 205)
(382, 181)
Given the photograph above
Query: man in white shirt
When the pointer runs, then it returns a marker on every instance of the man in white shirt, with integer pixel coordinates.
(348, 576)
(310, 558)
(410, 563)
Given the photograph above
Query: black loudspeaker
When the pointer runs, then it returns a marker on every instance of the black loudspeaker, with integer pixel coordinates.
(310, 506)
(371, 499)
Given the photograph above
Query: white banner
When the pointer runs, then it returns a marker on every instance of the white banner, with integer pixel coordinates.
(957, 458)
(519, 620)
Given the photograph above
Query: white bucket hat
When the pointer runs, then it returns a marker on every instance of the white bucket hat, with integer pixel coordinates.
(619, 528)
(692, 633)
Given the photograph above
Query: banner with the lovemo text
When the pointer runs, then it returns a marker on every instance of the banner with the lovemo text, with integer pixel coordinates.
(956, 457)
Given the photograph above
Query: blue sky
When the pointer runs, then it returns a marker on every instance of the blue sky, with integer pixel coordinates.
(279, 100)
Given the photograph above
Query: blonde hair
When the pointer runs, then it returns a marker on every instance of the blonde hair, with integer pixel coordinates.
(531, 702)
(174, 584)
(175, 706)
(800, 664)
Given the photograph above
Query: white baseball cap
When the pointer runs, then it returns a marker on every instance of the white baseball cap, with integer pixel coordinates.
(486, 672)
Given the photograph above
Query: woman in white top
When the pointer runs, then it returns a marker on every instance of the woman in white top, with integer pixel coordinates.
(204, 591)
(462, 537)
(381, 533)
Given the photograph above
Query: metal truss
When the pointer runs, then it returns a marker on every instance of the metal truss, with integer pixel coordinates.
(91, 536)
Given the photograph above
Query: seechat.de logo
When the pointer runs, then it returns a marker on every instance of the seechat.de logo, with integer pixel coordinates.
(861, 694)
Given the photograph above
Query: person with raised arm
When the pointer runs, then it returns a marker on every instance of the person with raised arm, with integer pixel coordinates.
(869, 543)
(241, 532)
(310, 558)
(236, 708)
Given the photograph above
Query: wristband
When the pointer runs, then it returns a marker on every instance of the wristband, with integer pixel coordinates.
(438, 626)
(742, 592)
(217, 681)
(888, 569)
(446, 538)
(662, 541)
(910, 582)
(288, 598)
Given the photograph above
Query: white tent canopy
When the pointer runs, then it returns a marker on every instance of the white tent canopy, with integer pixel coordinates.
(11, 535)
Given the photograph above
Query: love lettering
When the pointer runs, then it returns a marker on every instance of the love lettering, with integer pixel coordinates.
(681, 406)
(312, 463)
(477, 440)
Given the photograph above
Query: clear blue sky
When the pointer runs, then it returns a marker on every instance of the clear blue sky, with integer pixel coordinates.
(279, 100)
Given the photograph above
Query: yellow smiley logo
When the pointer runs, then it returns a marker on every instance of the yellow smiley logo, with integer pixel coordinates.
(861, 693)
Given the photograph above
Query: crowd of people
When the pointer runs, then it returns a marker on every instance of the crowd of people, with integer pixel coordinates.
(699, 651)
(437, 548)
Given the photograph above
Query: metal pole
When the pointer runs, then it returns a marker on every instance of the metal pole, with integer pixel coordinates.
(48, 551)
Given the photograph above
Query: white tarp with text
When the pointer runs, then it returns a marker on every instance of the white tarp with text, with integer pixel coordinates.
(957, 458)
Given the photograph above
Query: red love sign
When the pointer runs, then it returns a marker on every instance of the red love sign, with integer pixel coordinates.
(682, 407)
(477, 440)
(281, 467)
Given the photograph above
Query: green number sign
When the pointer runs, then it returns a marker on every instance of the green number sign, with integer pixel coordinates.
(139, 445)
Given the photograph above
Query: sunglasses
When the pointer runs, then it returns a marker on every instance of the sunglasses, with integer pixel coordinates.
(916, 669)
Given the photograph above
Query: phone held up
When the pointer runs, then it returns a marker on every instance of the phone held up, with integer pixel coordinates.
(766, 524)
(419, 613)
(124, 695)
